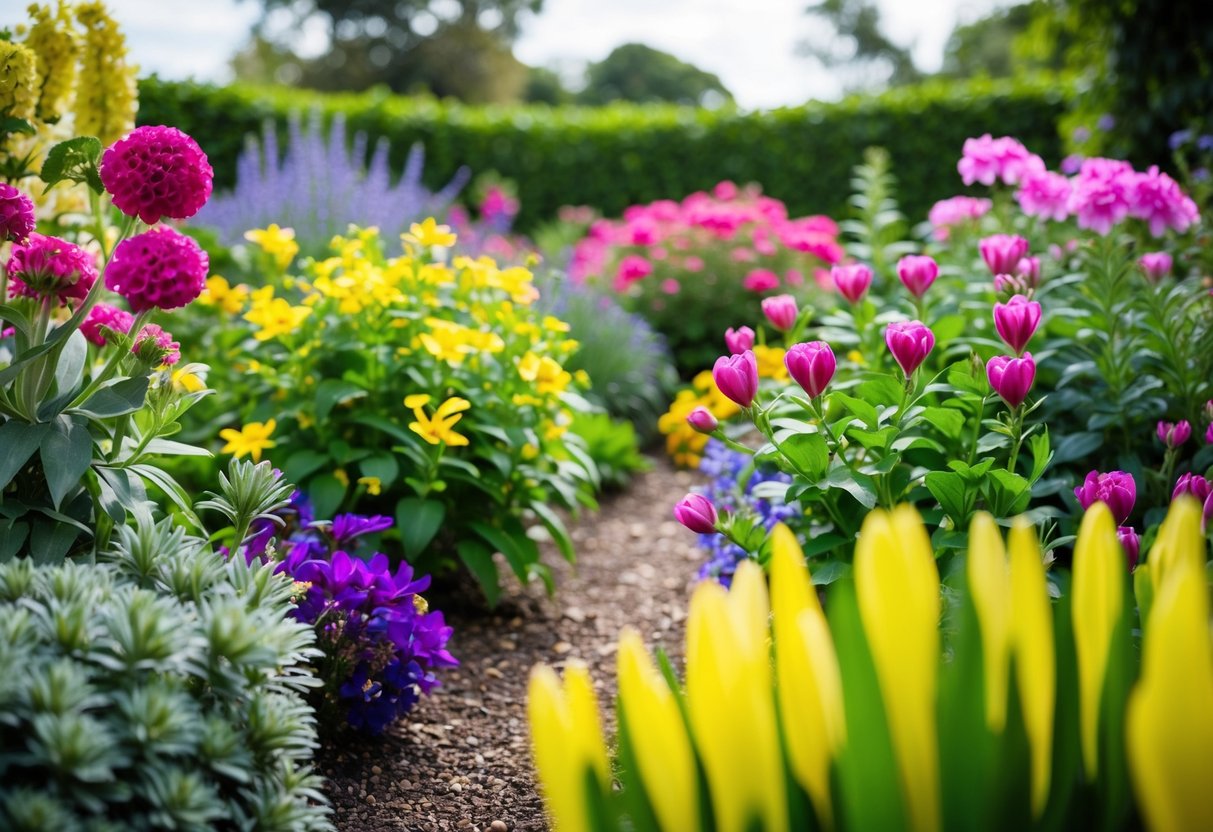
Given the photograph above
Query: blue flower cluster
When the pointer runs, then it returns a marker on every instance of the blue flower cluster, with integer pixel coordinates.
(734, 478)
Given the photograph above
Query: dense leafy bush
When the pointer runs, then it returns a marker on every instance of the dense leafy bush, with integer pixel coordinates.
(618, 156)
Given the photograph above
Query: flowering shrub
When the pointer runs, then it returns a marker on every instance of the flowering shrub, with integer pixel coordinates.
(692, 267)
(1019, 714)
(410, 386)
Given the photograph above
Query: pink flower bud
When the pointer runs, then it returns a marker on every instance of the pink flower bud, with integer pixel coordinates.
(811, 365)
(737, 377)
(697, 513)
(1174, 434)
(781, 311)
(917, 273)
(1115, 489)
(1011, 284)
(1156, 265)
(1016, 321)
(852, 281)
(702, 420)
(1011, 377)
(1029, 269)
(1194, 485)
(739, 340)
(1209, 436)
(1002, 252)
(910, 342)
(154, 346)
(1131, 543)
(761, 280)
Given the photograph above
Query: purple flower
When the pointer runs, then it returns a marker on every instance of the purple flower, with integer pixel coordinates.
(736, 376)
(910, 342)
(158, 269)
(1115, 489)
(1016, 321)
(697, 513)
(346, 527)
(811, 365)
(1131, 543)
(917, 273)
(852, 280)
(1209, 435)
(1011, 377)
(1002, 252)
(157, 172)
(16, 215)
(738, 341)
(702, 420)
(1194, 485)
(781, 311)
(1174, 434)
(1155, 265)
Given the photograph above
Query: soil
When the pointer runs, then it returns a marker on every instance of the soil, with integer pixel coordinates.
(461, 761)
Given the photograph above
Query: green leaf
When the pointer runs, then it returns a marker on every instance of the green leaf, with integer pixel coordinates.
(384, 467)
(863, 411)
(332, 392)
(808, 453)
(953, 495)
(18, 441)
(880, 389)
(519, 550)
(171, 488)
(858, 486)
(67, 452)
(418, 521)
(949, 421)
(302, 464)
(326, 492)
(478, 558)
(1076, 446)
(1007, 493)
(1041, 455)
(12, 124)
(75, 160)
(555, 526)
(117, 399)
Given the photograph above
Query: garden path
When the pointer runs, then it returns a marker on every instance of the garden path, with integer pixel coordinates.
(461, 762)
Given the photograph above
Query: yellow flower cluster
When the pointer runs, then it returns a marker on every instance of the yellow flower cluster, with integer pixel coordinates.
(277, 242)
(222, 294)
(18, 80)
(274, 316)
(106, 95)
(452, 342)
(54, 42)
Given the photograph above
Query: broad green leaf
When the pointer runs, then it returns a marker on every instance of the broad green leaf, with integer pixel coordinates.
(67, 452)
(18, 441)
(382, 466)
(302, 464)
(863, 411)
(519, 550)
(808, 453)
(478, 558)
(75, 160)
(953, 494)
(117, 399)
(332, 392)
(326, 493)
(418, 521)
(552, 522)
(1076, 446)
(949, 421)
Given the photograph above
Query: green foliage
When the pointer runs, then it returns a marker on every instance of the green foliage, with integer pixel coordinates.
(161, 690)
(642, 74)
(622, 155)
(613, 447)
(858, 42)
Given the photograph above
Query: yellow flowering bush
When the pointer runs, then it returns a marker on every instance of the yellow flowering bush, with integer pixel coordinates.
(424, 386)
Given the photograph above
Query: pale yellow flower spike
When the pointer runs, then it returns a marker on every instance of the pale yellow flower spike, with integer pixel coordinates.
(990, 585)
(658, 736)
(897, 584)
(1035, 661)
(1098, 569)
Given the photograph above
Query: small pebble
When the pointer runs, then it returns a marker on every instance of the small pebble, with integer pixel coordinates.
(498, 826)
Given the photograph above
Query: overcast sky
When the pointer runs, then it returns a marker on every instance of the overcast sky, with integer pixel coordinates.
(750, 44)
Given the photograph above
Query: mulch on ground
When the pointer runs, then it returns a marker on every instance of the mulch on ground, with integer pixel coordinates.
(462, 759)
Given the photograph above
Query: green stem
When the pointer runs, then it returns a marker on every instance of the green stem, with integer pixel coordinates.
(111, 366)
(1017, 429)
(980, 412)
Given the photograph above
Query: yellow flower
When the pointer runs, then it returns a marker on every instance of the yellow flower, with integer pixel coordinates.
(53, 41)
(554, 324)
(251, 439)
(18, 80)
(224, 295)
(545, 373)
(452, 342)
(277, 242)
(438, 429)
(342, 477)
(429, 233)
(373, 485)
(183, 379)
(276, 317)
(106, 97)
(770, 362)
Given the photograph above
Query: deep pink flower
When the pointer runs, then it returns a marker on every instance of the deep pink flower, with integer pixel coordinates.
(1158, 199)
(670, 286)
(631, 268)
(958, 210)
(702, 420)
(761, 280)
(1029, 269)
(811, 365)
(781, 311)
(917, 273)
(48, 266)
(1011, 284)
(1174, 434)
(1011, 377)
(1155, 265)
(1193, 484)
(1209, 435)
(910, 342)
(739, 340)
(158, 269)
(1016, 321)
(852, 280)
(110, 317)
(1115, 489)
(736, 376)
(697, 513)
(1131, 543)
(157, 172)
(1045, 194)
(1103, 193)
(1002, 252)
(987, 160)
(16, 214)
(156, 347)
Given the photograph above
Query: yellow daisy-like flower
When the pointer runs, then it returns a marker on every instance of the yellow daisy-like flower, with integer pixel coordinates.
(219, 292)
(545, 373)
(276, 317)
(342, 477)
(250, 440)
(277, 242)
(374, 486)
(438, 429)
(429, 233)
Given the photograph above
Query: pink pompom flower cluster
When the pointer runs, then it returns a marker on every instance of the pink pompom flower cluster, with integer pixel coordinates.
(50, 267)
(158, 269)
(988, 160)
(16, 214)
(156, 172)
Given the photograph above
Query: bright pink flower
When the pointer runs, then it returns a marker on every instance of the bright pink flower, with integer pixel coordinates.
(1016, 321)
(1103, 193)
(1194, 485)
(497, 205)
(987, 160)
(48, 266)
(781, 311)
(852, 280)
(702, 420)
(736, 377)
(1209, 435)
(917, 273)
(1174, 434)
(725, 190)
(743, 255)
(109, 317)
(670, 286)
(910, 342)
(1002, 252)
(1158, 199)
(158, 269)
(631, 268)
(1131, 543)
(1155, 265)
(697, 513)
(155, 346)
(1029, 269)
(1115, 489)
(761, 280)
(793, 277)
(693, 263)
(1045, 194)
(157, 172)
(16, 214)
(811, 365)
(1011, 377)
(739, 340)
(959, 210)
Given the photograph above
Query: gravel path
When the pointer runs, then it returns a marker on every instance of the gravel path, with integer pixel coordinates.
(462, 760)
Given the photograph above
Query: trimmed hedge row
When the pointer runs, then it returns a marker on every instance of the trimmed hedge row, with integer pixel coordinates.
(615, 156)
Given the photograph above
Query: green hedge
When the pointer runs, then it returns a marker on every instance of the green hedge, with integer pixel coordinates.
(615, 156)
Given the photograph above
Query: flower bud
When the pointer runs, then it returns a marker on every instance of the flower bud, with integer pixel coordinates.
(702, 420)
(811, 365)
(852, 281)
(1174, 434)
(737, 377)
(154, 347)
(1155, 265)
(1002, 252)
(917, 273)
(1115, 489)
(1131, 543)
(781, 311)
(1011, 284)
(910, 342)
(739, 340)
(697, 513)
(1193, 484)
(1029, 269)
(1011, 377)
(1209, 436)
(1016, 321)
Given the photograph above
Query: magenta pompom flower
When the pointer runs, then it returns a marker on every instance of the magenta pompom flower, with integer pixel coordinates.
(1011, 377)
(910, 342)
(1115, 489)
(102, 317)
(157, 172)
(1103, 193)
(16, 214)
(697, 513)
(1045, 194)
(48, 266)
(736, 377)
(155, 346)
(158, 269)
(1158, 200)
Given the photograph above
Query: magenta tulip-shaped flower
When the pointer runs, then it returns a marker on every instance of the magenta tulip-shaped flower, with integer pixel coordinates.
(1155, 265)
(1002, 252)
(16, 215)
(852, 281)
(737, 377)
(781, 311)
(1115, 489)
(910, 342)
(917, 273)
(697, 513)
(1209, 435)
(1011, 284)
(1029, 269)
(1011, 377)
(739, 340)
(1193, 484)
(1174, 434)
(1016, 321)
(702, 420)
(811, 365)
(1131, 543)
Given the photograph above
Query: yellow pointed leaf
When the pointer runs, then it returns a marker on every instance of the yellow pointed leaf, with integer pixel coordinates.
(990, 585)
(897, 584)
(1035, 662)
(1098, 598)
